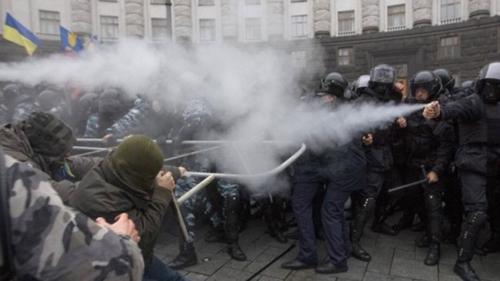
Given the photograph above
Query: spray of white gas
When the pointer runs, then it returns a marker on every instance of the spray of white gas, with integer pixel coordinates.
(252, 93)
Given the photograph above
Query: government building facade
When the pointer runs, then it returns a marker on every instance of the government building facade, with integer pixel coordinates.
(349, 36)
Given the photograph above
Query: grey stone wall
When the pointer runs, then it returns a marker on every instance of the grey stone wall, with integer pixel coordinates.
(182, 19)
(134, 18)
(413, 50)
(275, 18)
(81, 17)
(370, 15)
(229, 21)
(479, 8)
(422, 13)
(321, 18)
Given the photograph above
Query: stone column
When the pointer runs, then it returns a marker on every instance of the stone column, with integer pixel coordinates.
(321, 18)
(81, 17)
(371, 16)
(183, 24)
(479, 8)
(229, 20)
(134, 18)
(275, 19)
(422, 13)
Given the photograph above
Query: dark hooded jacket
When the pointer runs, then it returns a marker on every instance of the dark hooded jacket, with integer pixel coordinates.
(16, 144)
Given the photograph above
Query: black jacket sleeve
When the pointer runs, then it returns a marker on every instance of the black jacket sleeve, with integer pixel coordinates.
(445, 135)
(466, 109)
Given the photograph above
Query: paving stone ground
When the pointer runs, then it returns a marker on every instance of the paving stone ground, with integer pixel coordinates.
(394, 258)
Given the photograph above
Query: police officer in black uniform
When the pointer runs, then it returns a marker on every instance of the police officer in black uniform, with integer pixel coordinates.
(478, 115)
(378, 156)
(428, 143)
(339, 168)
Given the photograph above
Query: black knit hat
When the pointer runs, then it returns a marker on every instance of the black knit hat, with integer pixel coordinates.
(137, 160)
(48, 135)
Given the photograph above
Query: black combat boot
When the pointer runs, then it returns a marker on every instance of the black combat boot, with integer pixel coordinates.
(271, 219)
(231, 227)
(434, 207)
(493, 244)
(379, 225)
(467, 242)
(362, 216)
(433, 254)
(186, 257)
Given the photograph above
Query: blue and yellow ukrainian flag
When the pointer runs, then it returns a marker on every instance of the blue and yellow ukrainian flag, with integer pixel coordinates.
(70, 41)
(17, 33)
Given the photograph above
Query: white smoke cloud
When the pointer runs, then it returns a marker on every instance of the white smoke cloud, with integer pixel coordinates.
(253, 93)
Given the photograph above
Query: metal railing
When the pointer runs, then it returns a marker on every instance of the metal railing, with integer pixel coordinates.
(108, 39)
(346, 33)
(160, 2)
(448, 21)
(208, 177)
(300, 37)
(396, 28)
(49, 36)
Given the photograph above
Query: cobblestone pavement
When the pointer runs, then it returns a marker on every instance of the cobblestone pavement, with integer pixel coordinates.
(394, 258)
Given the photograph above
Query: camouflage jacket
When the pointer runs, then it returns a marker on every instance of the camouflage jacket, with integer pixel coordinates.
(23, 110)
(124, 126)
(3, 115)
(52, 242)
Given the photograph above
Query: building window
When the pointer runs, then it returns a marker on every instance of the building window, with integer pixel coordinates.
(299, 27)
(396, 18)
(159, 28)
(346, 23)
(160, 2)
(49, 22)
(253, 29)
(207, 29)
(448, 47)
(206, 3)
(346, 56)
(108, 0)
(109, 28)
(299, 59)
(252, 2)
(450, 11)
(297, 1)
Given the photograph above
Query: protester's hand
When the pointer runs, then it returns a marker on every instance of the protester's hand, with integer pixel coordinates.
(107, 138)
(183, 171)
(402, 122)
(399, 87)
(165, 180)
(123, 225)
(368, 139)
(432, 110)
(432, 177)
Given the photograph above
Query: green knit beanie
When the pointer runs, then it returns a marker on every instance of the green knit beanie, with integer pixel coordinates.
(137, 161)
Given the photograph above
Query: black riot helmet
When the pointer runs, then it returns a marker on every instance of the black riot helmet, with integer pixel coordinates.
(467, 84)
(428, 81)
(334, 84)
(446, 77)
(361, 84)
(488, 83)
(49, 99)
(14, 94)
(382, 79)
(110, 102)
